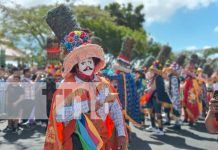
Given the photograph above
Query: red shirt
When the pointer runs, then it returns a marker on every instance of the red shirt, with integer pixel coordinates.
(217, 124)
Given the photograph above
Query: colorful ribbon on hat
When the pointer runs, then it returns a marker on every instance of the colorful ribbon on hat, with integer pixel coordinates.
(157, 65)
(75, 39)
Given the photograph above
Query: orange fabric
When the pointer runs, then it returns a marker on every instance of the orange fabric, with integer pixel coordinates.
(60, 131)
(61, 135)
(110, 125)
(209, 96)
(145, 98)
(67, 132)
(109, 122)
(191, 100)
(54, 134)
(58, 136)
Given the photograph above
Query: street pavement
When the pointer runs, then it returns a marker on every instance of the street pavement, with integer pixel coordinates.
(188, 138)
(195, 138)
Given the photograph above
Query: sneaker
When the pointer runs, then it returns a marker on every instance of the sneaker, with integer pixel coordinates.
(158, 132)
(16, 131)
(7, 129)
(191, 124)
(167, 123)
(201, 117)
(185, 121)
(177, 127)
(150, 129)
(163, 115)
(29, 126)
(25, 123)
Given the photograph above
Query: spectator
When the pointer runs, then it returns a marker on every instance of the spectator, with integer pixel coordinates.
(29, 96)
(14, 97)
(211, 120)
(2, 91)
(14, 72)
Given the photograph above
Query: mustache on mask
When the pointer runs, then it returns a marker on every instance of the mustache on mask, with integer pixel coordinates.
(88, 68)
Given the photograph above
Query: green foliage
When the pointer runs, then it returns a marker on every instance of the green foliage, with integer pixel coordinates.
(84, 12)
(29, 23)
(111, 24)
(26, 22)
(153, 49)
(126, 15)
(172, 57)
(111, 34)
(210, 51)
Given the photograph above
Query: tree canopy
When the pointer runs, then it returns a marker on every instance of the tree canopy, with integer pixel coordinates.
(111, 24)
(210, 51)
(26, 22)
(29, 22)
(127, 15)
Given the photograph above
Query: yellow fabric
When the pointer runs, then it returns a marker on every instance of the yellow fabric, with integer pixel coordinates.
(196, 89)
(94, 130)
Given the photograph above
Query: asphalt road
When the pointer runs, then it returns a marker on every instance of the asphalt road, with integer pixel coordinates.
(188, 138)
(195, 138)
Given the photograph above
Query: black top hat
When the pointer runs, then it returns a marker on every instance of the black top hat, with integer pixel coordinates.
(124, 56)
(62, 21)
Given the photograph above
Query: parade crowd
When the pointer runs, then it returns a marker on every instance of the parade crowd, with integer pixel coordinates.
(169, 93)
(181, 95)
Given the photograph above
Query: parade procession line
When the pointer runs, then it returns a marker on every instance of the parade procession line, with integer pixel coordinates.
(195, 138)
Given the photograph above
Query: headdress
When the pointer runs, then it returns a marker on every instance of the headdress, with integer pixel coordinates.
(76, 43)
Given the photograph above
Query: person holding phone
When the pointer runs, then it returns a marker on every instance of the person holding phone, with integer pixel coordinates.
(211, 120)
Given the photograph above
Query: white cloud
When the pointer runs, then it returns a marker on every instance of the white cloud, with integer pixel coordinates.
(196, 49)
(206, 47)
(214, 56)
(28, 3)
(191, 48)
(162, 10)
(155, 10)
(216, 29)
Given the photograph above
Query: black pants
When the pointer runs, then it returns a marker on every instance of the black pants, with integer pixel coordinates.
(76, 142)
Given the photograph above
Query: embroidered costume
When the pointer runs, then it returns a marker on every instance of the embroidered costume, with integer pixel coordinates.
(126, 85)
(73, 123)
(191, 100)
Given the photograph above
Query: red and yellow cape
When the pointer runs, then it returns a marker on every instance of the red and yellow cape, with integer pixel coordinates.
(58, 136)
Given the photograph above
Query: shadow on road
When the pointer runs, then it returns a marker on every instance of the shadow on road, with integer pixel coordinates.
(25, 134)
(180, 142)
(139, 144)
(198, 127)
(177, 142)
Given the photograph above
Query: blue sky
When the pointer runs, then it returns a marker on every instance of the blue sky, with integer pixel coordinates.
(184, 24)
(188, 29)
